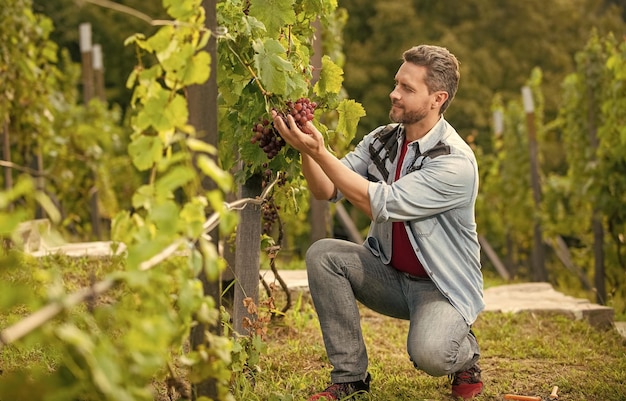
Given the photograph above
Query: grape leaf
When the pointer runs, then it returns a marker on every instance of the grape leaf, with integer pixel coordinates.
(350, 112)
(165, 217)
(182, 10)
(275, 14)
(197, 71)
(272, 66)
(331, 78)
(145, 151)
(176, 177)
(222, 178)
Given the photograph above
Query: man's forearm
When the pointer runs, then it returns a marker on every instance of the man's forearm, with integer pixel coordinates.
(352, 186)
(318, 182)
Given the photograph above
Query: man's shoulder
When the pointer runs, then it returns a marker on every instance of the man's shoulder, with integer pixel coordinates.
(384, 131)
(452, 138)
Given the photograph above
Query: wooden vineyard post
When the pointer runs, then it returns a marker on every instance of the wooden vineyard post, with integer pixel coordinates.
(98, 73)
(202, 105)
(86, 52)
(538, 264)
(86, 57)
(247, 255)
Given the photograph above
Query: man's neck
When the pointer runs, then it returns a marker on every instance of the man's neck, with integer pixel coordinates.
(417, 130)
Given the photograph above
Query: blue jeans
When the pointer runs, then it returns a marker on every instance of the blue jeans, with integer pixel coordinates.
(341, 273)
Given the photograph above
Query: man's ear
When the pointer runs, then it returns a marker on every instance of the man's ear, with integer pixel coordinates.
(440, 99)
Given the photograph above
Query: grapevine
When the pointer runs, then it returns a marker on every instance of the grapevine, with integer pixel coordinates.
(269, 209)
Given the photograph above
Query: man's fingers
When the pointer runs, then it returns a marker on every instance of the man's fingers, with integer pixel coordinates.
(279, 123)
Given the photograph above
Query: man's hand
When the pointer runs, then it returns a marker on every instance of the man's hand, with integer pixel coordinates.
(323, 171)
(308, 140)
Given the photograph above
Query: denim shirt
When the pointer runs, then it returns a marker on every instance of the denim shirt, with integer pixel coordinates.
(435, 197)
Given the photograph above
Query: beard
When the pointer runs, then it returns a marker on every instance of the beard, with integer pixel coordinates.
(411, 117)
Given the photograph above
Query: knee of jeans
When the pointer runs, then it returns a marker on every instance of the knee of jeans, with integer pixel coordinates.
(433, 359)
(316, 252)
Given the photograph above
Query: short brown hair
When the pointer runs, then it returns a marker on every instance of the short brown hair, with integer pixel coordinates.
(442, 69)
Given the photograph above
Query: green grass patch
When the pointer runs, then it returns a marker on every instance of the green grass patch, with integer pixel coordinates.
(522, 353)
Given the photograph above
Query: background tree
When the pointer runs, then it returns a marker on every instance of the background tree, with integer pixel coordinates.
(497, 42)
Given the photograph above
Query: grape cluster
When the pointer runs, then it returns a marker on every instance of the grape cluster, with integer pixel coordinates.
(267, 177)
(268, 138)
(270, 216)
(302, 111)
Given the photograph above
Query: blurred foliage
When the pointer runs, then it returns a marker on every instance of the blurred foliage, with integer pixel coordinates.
(498, 43)
(110, 29)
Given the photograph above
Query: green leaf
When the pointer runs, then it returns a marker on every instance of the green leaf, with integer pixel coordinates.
(222, 178)
(272, 66)
(165, 217)
(143, 197)
(145, 151)
(135, 39)
(142, 251)
(350, 112)
(10, 221)
(197, 70)
(193, 216)
(163, 111)
(48, 205)
(175, 178)
(182, 10)
(162, 42)
(331, 78)
(275, 14)
(201, 146)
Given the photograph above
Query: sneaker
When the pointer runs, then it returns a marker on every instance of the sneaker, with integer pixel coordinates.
(339, 391)
(467, 384)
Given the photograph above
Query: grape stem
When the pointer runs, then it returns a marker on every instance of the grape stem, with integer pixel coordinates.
(255, 78)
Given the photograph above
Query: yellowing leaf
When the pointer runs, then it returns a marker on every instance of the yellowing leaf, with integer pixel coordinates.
(222, 178)
(145, 151)
(181, 10)
(196, 71)
(331, 78)
(350, 112)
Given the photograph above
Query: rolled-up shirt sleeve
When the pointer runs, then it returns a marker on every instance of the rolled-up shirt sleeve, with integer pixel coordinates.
(444, 183)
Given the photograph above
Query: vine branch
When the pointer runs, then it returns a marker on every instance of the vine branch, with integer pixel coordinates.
(255, 78)
(4, 163)
(144, 17)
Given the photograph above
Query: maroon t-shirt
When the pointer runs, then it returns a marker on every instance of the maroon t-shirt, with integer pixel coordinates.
(402, 255)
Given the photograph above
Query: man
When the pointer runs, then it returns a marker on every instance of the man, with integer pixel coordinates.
(417, 180)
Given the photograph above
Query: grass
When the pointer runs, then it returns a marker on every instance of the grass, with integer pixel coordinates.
(523, 353)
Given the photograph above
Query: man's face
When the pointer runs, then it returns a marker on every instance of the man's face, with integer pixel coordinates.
(411, 101)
